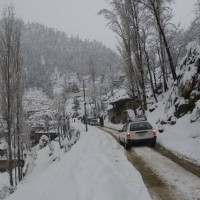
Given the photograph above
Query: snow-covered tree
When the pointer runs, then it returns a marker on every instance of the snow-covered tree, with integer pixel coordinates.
(11, 85)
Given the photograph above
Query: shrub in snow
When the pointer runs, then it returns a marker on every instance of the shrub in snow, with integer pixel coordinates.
(160, 128)
(167, 120)
(68, 142)
(172, 120)
(152, 108)
(75, 134)
(162, 122)
(44, 140)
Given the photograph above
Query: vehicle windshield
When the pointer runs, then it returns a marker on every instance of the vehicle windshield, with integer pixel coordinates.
(140, 126)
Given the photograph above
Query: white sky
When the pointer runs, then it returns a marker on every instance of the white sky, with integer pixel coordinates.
(79, 17)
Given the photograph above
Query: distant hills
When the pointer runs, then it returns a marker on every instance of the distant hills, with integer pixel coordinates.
(45, 49)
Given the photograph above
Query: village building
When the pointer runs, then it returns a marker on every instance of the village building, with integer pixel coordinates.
(122, 108)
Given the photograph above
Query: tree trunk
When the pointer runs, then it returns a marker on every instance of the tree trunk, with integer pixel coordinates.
(9, 120)
(162, 33)
(161, 58)
(150, 75)
(10, 153)
(15, 159)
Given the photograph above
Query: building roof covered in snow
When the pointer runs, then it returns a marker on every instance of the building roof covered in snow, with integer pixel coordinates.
(121, 95)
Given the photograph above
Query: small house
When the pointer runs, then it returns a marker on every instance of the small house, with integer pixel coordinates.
(120, 106)
(38, 131)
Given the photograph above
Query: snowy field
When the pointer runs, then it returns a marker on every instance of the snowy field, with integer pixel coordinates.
(95, 168)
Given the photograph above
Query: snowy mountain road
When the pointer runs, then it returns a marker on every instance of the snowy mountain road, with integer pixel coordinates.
(165, 176)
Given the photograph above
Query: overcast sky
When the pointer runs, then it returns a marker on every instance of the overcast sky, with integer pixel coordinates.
(79, 17)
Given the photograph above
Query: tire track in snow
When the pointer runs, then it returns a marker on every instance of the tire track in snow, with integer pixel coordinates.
(179, 179)
(158, 185)
(187, 164)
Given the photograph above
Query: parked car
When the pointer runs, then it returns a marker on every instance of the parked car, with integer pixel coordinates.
(93, 122)
(89, 119)
(79, 117)
(137, 131)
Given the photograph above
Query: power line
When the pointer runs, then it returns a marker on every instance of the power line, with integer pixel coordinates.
(121, 62)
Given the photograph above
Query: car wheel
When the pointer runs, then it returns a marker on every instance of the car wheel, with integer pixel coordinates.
(120, 142)
(153, 144)
(126, 145)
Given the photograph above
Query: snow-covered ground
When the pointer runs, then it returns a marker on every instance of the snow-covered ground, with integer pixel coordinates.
(95, 168)
(182, 139)
(183, 182)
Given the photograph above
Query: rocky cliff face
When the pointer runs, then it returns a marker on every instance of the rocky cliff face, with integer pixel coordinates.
(184, 95)
(188, 81)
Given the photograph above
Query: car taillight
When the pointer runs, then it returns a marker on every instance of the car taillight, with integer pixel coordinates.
(128, 135)
(154, 132)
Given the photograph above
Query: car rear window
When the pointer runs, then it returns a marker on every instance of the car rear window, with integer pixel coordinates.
(140, 126)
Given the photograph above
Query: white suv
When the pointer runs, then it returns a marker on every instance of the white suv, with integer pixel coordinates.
(137, 131)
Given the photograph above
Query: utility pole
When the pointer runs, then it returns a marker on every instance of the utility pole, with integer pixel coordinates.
(86, 128)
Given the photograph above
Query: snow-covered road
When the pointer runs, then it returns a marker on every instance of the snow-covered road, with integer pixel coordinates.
(182, 182)
(96, 168)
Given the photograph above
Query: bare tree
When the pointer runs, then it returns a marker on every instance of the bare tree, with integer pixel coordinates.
(61, 116)
(10, 74)
(147, 58)
(125, 19)
(18, 91)
(158, 9)
(92, 72)
(58, 117)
